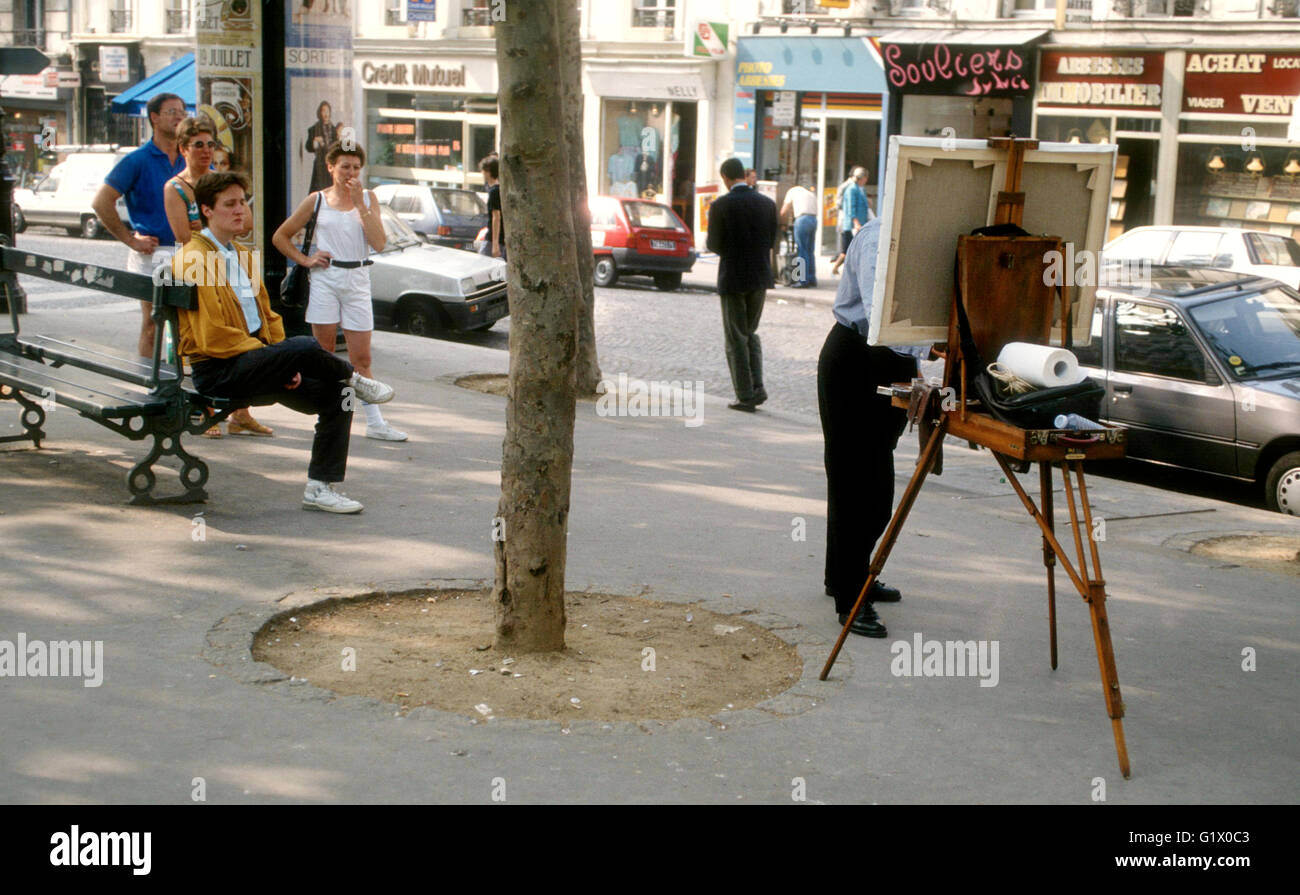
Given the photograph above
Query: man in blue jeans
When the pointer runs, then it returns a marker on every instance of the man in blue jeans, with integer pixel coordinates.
(802, 205)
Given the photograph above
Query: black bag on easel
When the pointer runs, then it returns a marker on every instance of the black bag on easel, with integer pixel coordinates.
(296, 287)
(1031, 410)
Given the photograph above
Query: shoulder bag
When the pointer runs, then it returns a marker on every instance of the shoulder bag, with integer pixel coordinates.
(296, 286)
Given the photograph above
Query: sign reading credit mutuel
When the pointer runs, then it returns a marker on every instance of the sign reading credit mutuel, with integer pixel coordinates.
(1126, 81)
(957, 69)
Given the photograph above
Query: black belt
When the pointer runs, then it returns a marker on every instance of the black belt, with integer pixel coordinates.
(350, 264)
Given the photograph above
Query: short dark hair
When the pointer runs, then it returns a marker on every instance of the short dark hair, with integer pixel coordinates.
(749, 171)
(155, 104)
(336, 151)
(212, 185)
(733, 169)
(491, 167)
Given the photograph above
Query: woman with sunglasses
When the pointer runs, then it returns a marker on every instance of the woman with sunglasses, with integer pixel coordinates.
(197, 140)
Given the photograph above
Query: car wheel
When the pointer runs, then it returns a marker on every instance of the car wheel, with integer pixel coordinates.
(605, 273)
(422, 317)
(667, 282)
(91, 227)
(20, 222)
(1282, 485)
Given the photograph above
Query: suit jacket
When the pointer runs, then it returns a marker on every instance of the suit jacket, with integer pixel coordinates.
(742, 231)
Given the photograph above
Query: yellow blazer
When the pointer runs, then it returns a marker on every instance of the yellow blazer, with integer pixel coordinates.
(217, 329)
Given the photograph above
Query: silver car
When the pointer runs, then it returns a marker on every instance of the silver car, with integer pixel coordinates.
(424, 289)
(1204, 370)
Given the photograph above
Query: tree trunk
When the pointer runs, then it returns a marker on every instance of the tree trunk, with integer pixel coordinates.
(537, 457)
(588, 368)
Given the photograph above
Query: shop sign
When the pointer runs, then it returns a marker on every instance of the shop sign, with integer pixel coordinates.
(784, 108)
(956, 69)
(28, 86)
(1107, 81)
(1241, 83)
(709, 39)
(421, 10)
(113, 65)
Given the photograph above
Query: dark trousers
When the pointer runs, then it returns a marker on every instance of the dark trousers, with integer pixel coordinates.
(741, 312)
(259, 377)
(861, 430)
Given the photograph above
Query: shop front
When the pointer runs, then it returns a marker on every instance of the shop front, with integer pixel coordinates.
(428, 119)
(807, 110)
(960, 84)
(36, 115)
(1236, 167)
(107, 70)
(1116, 97)
(648, 130)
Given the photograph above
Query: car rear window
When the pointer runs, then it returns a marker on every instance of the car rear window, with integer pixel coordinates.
(459, 202)
(651, 214)
(1147, 244)
(1271, 249)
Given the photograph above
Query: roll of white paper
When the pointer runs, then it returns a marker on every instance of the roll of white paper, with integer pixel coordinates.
(1040, 365)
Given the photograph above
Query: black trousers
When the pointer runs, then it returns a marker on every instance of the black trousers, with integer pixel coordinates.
(861, 430)
(259, 377)
(741, 312)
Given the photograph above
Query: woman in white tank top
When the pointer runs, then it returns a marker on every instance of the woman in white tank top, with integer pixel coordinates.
(348, 227)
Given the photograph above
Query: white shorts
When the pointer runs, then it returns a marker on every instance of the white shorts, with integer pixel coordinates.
(138, 262)
(341, 295)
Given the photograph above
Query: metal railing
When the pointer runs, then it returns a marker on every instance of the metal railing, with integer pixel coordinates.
(476, 16)
(178, 20)
(119, 21)
(1136, 9)
(653, 17)
(30, 37)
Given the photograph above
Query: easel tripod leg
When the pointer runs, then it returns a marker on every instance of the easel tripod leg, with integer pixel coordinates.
(891, 535)
(1049, 556)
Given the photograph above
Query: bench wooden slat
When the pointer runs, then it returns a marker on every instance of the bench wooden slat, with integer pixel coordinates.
(112, 365)
(87, 397)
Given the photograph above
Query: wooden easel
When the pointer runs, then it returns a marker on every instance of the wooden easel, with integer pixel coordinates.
(987, 268)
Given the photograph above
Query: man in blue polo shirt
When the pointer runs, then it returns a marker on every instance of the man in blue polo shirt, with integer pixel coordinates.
(140, 178)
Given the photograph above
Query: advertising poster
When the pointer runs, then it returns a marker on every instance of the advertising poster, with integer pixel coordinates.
(318, 91)
(229, 70)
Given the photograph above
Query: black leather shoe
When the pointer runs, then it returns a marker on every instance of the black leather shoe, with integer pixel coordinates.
(883, 593)
(743, 406)
(760, 398)
(867, 624)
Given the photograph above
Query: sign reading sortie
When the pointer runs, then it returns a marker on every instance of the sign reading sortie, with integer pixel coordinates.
(956, 69)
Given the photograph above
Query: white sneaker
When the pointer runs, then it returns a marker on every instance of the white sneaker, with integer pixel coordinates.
(322, 496)
(385, 432)
(372, 391)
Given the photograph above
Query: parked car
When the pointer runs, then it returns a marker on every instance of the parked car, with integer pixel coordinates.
(636, 236)
(423, 289)
(62, 197)
(442, 215)
(1205, 373)
(1228, 248)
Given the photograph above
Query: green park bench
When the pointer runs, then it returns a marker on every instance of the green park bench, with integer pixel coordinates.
(135, 399)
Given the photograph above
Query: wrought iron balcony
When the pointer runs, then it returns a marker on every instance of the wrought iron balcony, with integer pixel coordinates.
(1136, 9)
(178, 20)
(30, 37)
(119, 21)
(476, 17)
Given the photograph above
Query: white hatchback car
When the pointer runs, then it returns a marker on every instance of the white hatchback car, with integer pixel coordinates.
(1228, 248)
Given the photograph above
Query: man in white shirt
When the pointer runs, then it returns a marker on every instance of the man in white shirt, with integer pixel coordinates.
(801, 203)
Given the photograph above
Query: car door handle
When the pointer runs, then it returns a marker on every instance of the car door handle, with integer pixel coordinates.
(1121, 391)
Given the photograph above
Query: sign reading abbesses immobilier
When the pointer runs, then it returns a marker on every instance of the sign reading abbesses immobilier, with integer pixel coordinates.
(1123, 81)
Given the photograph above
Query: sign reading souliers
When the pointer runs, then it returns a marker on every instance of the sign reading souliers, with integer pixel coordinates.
(55, 658)
(77, 849)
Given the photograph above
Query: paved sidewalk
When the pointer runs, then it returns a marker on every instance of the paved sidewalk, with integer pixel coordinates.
(704, 277)
(677, 512)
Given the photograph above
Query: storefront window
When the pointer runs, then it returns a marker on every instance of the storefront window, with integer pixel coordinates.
(1073, 129)
(441, 136)
(633, 152)
(1226, 185)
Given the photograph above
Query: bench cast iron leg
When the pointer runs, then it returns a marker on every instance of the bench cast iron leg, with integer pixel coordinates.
(33, 417)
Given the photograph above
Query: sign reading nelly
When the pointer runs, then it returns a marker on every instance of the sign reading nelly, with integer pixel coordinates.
(956, 70)
(1241, 83)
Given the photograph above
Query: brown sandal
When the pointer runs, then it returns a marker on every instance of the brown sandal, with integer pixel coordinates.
(246, 425)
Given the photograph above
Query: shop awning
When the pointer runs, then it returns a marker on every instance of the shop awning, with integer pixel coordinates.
(842, 64)
(664, 84)
(177, 78)
(973, 37)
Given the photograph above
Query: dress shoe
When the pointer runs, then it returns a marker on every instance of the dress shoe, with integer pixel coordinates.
(880, 593)
(867, 624)
(743, 406)
(759, 398)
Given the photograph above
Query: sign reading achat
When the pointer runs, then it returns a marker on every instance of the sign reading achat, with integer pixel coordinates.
(1241, 83)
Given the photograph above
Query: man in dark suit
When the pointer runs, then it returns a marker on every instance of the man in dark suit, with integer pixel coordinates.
(742, 231)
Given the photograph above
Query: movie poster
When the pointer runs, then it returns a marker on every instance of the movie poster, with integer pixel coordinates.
(229, 71)
(318, 90)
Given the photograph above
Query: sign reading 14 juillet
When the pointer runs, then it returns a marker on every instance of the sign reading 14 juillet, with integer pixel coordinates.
(709, 39)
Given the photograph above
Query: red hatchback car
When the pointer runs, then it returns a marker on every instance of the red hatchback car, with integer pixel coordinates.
(636, 236)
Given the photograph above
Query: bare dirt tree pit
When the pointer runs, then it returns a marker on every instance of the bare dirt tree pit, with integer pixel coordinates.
(626, 658)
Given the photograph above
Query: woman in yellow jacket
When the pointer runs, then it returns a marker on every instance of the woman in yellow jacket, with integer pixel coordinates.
(236, 345)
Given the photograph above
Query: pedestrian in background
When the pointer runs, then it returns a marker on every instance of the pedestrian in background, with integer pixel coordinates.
(140, 178)
(751, 177)
(742, 232)
(496, 241)
(854, 212)
(801, 205)
(348, 227)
